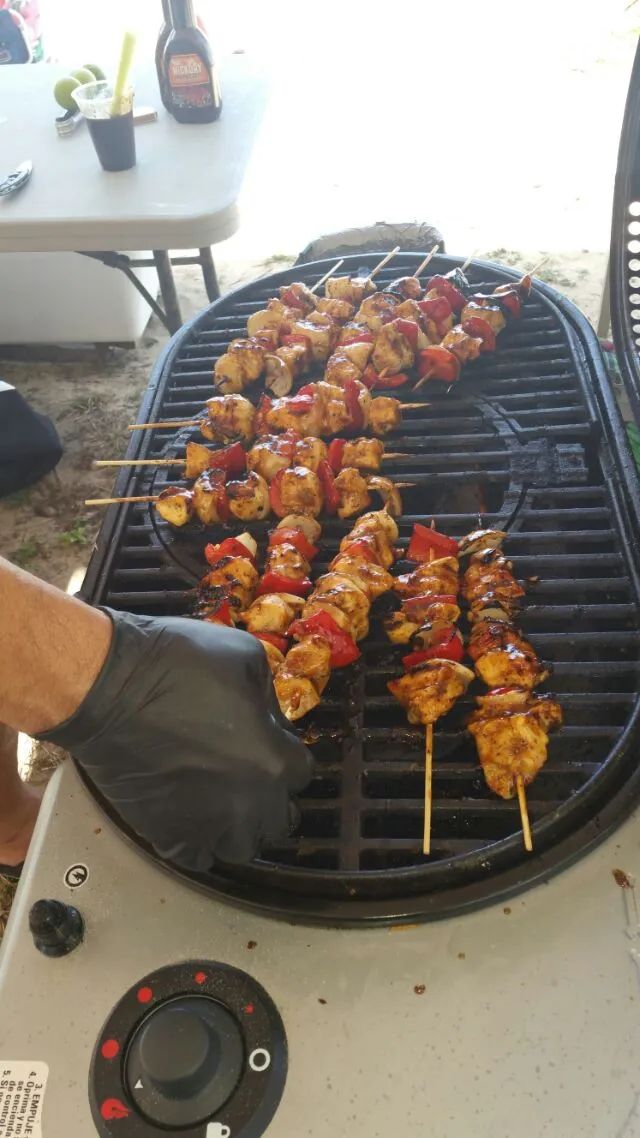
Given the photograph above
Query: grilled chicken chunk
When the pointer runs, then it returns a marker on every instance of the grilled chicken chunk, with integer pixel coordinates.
(305, 300)
(339, 369)
(346, 594)
(196, 459)
(209, 498)
(389, 493)
(377, 521)
(375, 309)
(311, 658)
(385, 414)
(491, 313)
(269, 455)
(354, 495)
(284, 415)
(513, 742)
(249, 499)
(321, 336)
(296, 357)
(363, 454)
(352, 289)
(236, 576)
(509, 666)
(408, 287)
(359, 353)
(399, 628)
(307, 525)
(300, 491)
(287, 561)
(274, 656)
(175, 505)
(480, 540)
(439, 577)
(338, 310)
(296, 695)
(310, 452)
(463, 346)
(392, 352)
(241, 364)
(278, 376)
(372, 579)
(230, 417)
(349, 331)
(273, 612)
(430, 690)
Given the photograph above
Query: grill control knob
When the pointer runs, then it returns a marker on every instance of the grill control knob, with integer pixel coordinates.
(185, 1061)
(56, 928)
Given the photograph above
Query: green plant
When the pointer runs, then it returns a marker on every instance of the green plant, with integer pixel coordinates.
(25, 553)
(76, 534)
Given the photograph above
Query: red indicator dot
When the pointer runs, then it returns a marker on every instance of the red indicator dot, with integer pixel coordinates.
(110, 1048)
(200, 977)
(249, 1009)
(112, 1108)
(144, 995)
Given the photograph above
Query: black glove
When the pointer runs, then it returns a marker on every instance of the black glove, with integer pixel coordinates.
(182, 734)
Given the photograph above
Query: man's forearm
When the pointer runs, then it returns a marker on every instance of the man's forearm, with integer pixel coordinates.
(52, 649)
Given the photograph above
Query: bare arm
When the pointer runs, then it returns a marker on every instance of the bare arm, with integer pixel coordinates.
(52, 649)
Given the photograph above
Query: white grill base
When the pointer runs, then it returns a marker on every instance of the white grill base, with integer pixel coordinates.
(529, 1024)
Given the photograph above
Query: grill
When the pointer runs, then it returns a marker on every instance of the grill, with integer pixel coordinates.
(531, 438)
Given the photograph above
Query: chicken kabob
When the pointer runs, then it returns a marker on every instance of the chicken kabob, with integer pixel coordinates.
(390, 335)
(286, 337)
(511, 724)
(434, 674)
(335, 615)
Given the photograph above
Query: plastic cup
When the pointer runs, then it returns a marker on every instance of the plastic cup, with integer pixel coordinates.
(110, 125)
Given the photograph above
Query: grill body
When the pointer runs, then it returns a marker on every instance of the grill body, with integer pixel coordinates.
(532, 439)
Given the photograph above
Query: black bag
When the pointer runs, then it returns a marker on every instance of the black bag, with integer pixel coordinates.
(29, 443)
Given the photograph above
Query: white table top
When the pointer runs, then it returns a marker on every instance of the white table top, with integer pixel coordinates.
(182, 193)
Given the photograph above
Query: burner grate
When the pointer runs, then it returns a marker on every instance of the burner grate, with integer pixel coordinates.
(526, 438)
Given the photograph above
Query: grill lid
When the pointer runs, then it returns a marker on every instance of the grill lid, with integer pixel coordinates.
(532, 438)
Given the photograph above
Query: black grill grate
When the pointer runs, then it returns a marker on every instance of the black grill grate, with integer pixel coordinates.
(522, 440)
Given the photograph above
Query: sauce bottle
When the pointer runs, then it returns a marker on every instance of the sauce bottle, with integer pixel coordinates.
(165, 32)
(193, 86)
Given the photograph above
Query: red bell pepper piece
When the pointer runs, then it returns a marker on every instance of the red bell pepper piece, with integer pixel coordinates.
(436, 309)
(264, 406)
(417, 607)
(409, 330)
(426, 544)
(279, 642)
(352, 400)
(372, 380)
(222, 615)
(294, 537)
(449, 648)
(292, 300)
(231, 459)
(512, 303)
(300, 404)
(230, 547)
(217, 480)
(476, 326)
(344, 650)
(437, 362)
(358, 338)
(331, 495)
(445, 288)
(336, 454)
(307, 389)
(275, 499)
(277, 583)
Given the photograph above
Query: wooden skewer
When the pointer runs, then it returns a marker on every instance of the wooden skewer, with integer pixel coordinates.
(532, 272)
(174, 423)
(384, 261)
(524, 814)
(326, 276)
(428, 771)
(181, 461)
(421, 381)
(415, 406)
(463, 268)
(423, 265)
(113, 501)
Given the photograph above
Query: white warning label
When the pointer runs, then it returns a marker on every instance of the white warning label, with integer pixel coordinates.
(22, 1087)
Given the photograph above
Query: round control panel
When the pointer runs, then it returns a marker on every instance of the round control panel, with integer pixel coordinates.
(195, 1049)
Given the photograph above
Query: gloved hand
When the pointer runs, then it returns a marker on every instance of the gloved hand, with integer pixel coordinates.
(183, 735)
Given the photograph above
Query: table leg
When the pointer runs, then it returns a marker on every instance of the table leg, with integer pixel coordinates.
(209, 273)
(168, 289)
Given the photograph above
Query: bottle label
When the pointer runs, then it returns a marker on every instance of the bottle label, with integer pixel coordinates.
(190, 81)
